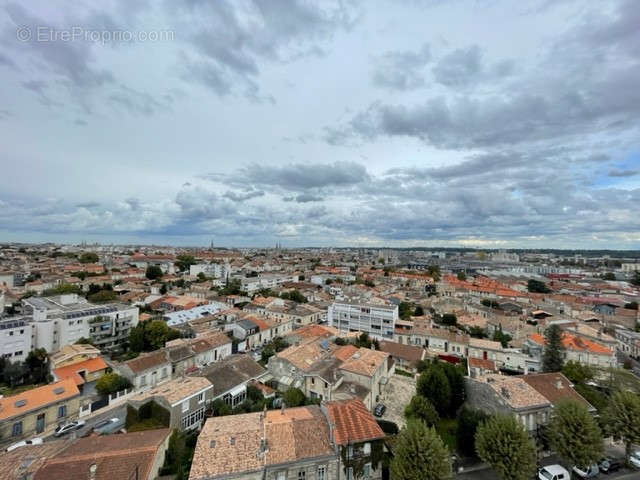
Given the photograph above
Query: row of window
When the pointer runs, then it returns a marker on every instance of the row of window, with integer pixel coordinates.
(16, 429)
(10, 333)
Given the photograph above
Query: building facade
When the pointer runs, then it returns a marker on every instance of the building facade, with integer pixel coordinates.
(376, 320)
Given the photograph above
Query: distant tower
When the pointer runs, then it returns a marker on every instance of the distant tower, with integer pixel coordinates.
(211, 246)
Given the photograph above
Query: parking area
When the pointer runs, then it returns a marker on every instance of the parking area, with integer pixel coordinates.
(396, 395)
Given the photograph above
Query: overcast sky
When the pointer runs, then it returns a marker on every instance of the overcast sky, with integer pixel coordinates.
(401, 123)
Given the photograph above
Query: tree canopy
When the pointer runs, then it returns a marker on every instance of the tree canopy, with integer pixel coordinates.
(420, 408)
(503, 443)
(537, 286)
(111, 383)
(433, 384)
(622, 419)
(88, 257)
(420, 454)
(153, 272)
(574, 434)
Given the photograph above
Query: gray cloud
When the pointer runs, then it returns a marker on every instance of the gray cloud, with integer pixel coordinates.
(304, 198)
(623, 173)
(465, 66)
(139, 103)
(242, 196)
(402, 70)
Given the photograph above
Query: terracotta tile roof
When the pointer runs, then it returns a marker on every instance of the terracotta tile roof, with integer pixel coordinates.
(484, 343)
(365, 361)
(116, 457)
(313, 331)
(353, 423)
(573, 342)
(554, 387)
(482, 363)
(147, 361)
(514, 391)
(37, 398)
(176, 390)
(23, 462)
(410, 353)
(71, 371)
(216, 339)
(345, 352)
(231, 445)
(309, 351)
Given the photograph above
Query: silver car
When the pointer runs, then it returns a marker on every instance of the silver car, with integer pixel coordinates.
(68, 427)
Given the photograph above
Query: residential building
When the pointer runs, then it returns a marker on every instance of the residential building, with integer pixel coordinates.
(215, 270)
(576, 349)
(231, 376)
(186, 400)
(251, 285)
(128, 456)
(405, 356)
(64, 319)
(147, 370)
(16, 338)
(70, 354)
(376, 320)
(38, 410)
(555, 387)
(628, 342)
(292, 443)
(82, 372)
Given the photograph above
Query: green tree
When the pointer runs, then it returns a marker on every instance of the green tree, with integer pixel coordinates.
(420, 408)
(631, 305)
(420, 454)
(449, 319)
(503, 338)
(88, 257)
(220, 408)
(418, 312)
(433, 384)
(184, 261)
(635, 280)
(468, 422)
(136, 338)
(404, 310)
(503, 443)
(578, 372)
(622, 419)
(609, 276)
(153, 272)
(111, 383)
(103, 296)
(553, 356)
(38, 363)
(294, 397)
(574, 434)
(434, 272)
(156, 334)
(461, 276)
(537, 286)
(455, 377)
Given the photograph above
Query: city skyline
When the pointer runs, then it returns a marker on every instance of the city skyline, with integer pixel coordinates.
(465, 124)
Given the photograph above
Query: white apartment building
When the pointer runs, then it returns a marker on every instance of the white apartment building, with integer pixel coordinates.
(215, 270)
(379, 321)
(15, 338)
(64, 319)
(253, 284)
(630, 267)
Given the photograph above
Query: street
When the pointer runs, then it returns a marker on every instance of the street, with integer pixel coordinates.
(119, 411)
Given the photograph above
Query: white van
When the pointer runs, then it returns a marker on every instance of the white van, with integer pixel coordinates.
(553, 472)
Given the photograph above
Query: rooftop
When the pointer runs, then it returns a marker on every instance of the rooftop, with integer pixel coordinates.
(353, 423)
(176, 390)
(37, 398)
(365, 361)
(517, 393)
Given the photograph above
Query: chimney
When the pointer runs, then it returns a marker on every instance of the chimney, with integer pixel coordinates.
(559, 384)
(282, 408)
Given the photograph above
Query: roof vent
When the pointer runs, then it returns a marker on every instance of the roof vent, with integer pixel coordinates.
(505, 392)
(212, 444)
(20, 403)
(233, 440)
(58, 390)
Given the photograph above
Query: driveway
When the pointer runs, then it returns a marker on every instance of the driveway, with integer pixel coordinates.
(396, 395)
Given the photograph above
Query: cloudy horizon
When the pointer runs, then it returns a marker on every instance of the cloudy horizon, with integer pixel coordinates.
(485, 123)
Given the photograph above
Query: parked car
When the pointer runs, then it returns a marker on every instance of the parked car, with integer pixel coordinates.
(553, 472)
(608, 465)
(379, 410)
(24, 443)
(68, 427)
(634, 459)
(591, 471)
(108, 426)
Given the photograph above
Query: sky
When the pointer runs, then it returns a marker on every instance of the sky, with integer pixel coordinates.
(475, 123)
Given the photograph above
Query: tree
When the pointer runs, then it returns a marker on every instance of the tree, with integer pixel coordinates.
(88, 257)
(536, 286)
(503, 443)
(455, 377)
(294, 296)
(434, 272)
(461, 276)
(420, 408)
(111, 383)
(103, 296)
(420, 454)
(609, 276)
(434, 386)
(449, 319)
(631, 305)
(153, 272)
(578, 372)
(622, 419)
(503, 338)
(574, 434)
(468, 422)
(156, 334)
(201, 279)
(184, 261)
(293, 397)
(38, 363)
(136, 338)
(636, 278)
(553, 356)
(404, 310)
(418, 312)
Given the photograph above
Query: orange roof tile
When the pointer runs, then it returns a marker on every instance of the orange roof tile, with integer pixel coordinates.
(71, 371)
(573, 342)
(353, 422)
(37, 398)
(345, 352)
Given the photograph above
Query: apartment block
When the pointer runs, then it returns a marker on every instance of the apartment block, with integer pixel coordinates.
(377, 320)
(15, 338)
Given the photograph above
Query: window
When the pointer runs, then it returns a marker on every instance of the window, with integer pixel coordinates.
(62, 411)
(313, 381)
(201, 397)
(192, 419)
(366, 471)
(367, 448)
(350, 473)
(16, 429)
(143, 380)
(164, 372)
(185, 406)
(302, 474)
(281, 476)
(322, 472)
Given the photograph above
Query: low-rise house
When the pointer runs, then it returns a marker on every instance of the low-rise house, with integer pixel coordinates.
(370, 369)
(231, 376)
(628, 342)
(510, 396)
(185, 399)
(211, 347)
(37, 410)
(73, 353)
(137, 455)
(405, 356)
(22, 463)
(555, 387)
(292, 443)
(147, 370)
(577, 349)
(82, 372)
